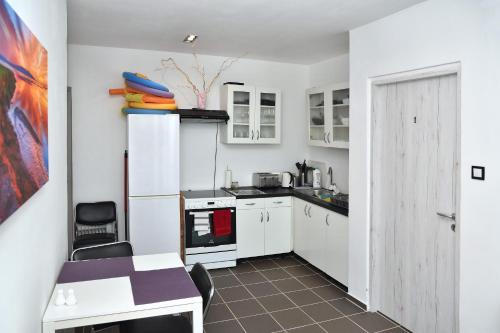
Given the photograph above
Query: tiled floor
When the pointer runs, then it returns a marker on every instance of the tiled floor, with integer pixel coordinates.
(285, 294)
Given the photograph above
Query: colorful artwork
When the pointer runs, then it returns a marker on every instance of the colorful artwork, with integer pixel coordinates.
(24, 162)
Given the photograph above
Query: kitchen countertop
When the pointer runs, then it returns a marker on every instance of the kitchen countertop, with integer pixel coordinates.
(302, 193)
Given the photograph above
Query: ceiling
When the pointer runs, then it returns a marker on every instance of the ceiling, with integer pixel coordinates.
(293, 31)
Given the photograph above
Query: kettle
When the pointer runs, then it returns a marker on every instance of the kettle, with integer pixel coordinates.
(287, 179)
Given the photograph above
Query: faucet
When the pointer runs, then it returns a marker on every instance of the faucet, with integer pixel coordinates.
(332, 186)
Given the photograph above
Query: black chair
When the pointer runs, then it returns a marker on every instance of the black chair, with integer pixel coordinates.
(112, 250)
(175, 323)
(95, 223)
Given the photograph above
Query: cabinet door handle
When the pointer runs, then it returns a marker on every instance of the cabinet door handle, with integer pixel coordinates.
(324, 137)
(250, 204)
(326, 219)
(261, 217)
(252, 134)
(277, 202)
(309, 211)
(328, 137)
(267, 216)
(305, 210)
(258, 134)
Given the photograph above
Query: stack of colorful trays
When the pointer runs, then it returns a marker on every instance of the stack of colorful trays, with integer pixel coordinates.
(144, 96)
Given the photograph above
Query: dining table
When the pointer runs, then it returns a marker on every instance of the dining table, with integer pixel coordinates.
(117, 289)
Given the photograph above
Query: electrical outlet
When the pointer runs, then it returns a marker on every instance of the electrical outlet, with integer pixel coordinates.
(478, 172)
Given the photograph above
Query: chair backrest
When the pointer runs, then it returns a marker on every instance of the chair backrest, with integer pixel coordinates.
(204, 283)
(96, 213)
(111, 250)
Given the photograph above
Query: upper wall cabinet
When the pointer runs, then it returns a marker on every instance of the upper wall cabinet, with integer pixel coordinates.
(254, 115)
(328, 116)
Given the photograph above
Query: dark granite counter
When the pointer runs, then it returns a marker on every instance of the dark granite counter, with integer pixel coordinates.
(303, 193)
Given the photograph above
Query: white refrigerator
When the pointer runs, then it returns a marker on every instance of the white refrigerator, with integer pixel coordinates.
(153, 183)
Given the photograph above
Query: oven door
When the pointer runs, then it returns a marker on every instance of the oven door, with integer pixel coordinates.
(196, 239)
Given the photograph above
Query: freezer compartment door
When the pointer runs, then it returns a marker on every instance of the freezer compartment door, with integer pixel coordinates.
(153, 155)
(154, 224)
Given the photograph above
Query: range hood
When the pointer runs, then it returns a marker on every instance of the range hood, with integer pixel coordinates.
(205, 116)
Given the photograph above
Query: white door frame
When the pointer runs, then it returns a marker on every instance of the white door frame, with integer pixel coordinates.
(428, 72)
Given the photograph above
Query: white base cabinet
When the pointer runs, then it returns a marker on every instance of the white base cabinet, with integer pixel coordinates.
(321, 237)
(263, 226)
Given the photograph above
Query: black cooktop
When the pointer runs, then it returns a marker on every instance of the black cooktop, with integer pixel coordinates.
(205, 194)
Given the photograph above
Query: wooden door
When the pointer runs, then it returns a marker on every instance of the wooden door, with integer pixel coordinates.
(250, 231)
(414, 175)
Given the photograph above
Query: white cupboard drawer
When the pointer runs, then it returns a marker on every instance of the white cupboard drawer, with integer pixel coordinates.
(250, 203)
(279, 202)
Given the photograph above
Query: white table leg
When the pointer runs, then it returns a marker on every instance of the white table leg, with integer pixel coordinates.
(198, 318)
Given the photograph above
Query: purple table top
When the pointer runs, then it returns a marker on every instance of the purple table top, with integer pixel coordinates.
(162, 285)
(97, 269)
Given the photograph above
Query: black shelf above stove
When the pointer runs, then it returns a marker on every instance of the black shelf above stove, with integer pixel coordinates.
(203, 116)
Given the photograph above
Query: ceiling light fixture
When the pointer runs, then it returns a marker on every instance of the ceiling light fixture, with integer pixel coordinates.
(190, 38)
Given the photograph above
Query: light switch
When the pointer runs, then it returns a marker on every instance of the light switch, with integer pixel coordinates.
(478, 172)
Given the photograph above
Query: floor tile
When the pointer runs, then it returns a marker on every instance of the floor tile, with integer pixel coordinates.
(262, 289)
(216, 299)
(219, 272)
(218, 312)
(299, 271)
(292, 318)
(372, 322)
(304, 297)
(225, 281)
(243, 267)
(307, 329)
(260, 324)
(329, 292)
(276, 302)
(342, 325)
(252, 277)
(287, 285)
(234, 294)
(246, 308)
(230, 326)
(264, 264)
(312, 281)
(346, 307)
(321, 311)
(287, 261)
(275, 274)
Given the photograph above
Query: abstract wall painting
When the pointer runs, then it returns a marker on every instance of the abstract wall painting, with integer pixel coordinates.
(24, 165)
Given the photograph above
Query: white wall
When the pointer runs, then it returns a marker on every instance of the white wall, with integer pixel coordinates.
(433, 33)
(33, 241)
(99, 128)
(334, 70)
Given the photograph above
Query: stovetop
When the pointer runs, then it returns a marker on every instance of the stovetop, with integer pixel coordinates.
(206, 194)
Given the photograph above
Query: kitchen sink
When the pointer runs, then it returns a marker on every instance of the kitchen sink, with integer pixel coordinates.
(252, 191)
(339, 199)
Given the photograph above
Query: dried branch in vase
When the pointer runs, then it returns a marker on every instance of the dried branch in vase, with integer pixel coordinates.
(207, 84)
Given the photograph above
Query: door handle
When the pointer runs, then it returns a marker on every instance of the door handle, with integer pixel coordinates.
(309, 211)
(250, 204)
(305, 210)
(267, 216)
(328, 137)
(258, 134)
(261, 217)
(448, 216)
(324, 138)
(277, 202)
(252, 134)
(326, 220)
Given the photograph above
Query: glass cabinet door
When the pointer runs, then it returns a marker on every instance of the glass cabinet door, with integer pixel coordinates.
(339, 133)
(317, 116)
(242, 121)
(267, 122)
